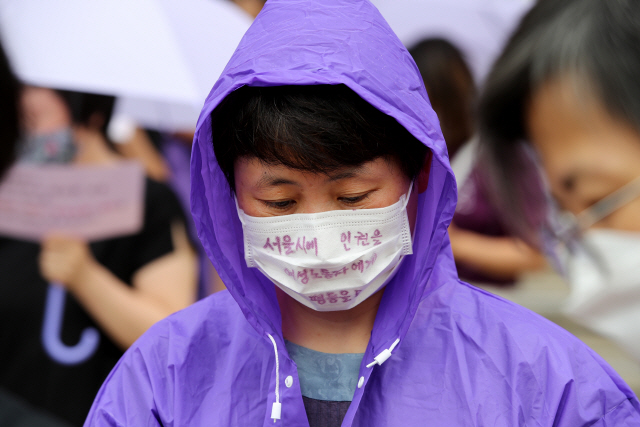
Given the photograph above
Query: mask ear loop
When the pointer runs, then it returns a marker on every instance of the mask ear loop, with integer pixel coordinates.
(248, 254)
(241, 213)
(407, 196)
(600, 210)
(605, 207)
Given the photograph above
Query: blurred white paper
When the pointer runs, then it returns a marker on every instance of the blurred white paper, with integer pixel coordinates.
(159, 57)
(90, 202)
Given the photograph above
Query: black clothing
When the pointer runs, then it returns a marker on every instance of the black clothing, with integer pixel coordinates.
(26, 366)
(16, 413)
(325, 413)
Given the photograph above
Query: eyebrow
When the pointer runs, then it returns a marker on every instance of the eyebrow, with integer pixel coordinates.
(273, 181)
(268, 180)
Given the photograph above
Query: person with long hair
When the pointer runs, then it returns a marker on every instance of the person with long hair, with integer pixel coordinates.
(483, 247)
(564, 97)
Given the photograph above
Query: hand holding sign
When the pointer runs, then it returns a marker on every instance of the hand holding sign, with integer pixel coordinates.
(65, 259)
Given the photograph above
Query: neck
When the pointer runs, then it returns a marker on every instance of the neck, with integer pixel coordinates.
(93, 148)
(346, 331)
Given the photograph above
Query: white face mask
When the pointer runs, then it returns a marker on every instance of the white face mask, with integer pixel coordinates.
(604, 274)
(331, 260)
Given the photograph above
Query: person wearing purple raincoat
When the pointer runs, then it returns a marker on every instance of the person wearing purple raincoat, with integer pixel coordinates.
(440, 353)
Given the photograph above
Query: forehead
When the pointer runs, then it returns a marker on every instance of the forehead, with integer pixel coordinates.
(44, 109)
(575, 134)
(250, 171)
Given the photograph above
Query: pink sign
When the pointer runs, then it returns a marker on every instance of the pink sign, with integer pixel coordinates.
(91, 202)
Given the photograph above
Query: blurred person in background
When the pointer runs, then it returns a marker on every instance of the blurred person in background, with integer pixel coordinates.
(14, 411)
(483, 248)
(450, 87)
(176, 149)
(565, 94)
(121, 286)
(165, 157)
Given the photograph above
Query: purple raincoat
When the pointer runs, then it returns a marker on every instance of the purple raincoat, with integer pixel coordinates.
(465, 357)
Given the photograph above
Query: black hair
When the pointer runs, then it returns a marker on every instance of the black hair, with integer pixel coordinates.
(593, 42)
(92, 110)
(89, 109)
(450, 87)
(319, 128)
(10, 89)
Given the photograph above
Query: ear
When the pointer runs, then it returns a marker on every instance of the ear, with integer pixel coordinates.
(423, 176)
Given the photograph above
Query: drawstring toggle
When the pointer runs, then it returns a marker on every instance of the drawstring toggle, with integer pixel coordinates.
(384, 355)
(276, 411)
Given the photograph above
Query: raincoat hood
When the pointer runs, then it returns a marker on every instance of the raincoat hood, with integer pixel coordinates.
(312, 42)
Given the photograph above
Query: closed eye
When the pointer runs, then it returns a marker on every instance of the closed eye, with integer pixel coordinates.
(279, 204)
(354, 199)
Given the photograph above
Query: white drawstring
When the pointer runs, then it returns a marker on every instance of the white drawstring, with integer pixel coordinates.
(384, 355)
(276, 409)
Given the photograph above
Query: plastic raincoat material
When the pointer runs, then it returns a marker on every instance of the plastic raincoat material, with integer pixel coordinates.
(465, 357)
